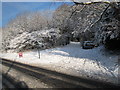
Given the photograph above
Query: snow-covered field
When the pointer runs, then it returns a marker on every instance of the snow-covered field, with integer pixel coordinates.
(72, 59)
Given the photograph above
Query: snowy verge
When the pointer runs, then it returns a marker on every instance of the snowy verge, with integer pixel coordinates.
(72, 59)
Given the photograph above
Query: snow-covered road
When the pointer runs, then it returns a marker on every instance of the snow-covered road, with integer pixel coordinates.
(72, 59)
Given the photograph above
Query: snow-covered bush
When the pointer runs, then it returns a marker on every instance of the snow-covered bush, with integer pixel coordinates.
(37, 39)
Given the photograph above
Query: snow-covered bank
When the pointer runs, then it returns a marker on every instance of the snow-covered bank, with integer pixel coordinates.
(73, 60)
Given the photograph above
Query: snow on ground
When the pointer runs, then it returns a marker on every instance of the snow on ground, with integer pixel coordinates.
(72, 59)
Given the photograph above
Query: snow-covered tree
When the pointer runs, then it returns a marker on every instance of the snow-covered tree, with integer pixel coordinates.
(60, 17)
(37, 21)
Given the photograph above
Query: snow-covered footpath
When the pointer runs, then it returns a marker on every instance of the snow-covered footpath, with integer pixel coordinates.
(72, 59)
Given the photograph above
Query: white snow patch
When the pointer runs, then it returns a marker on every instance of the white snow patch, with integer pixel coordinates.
(72, 59)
